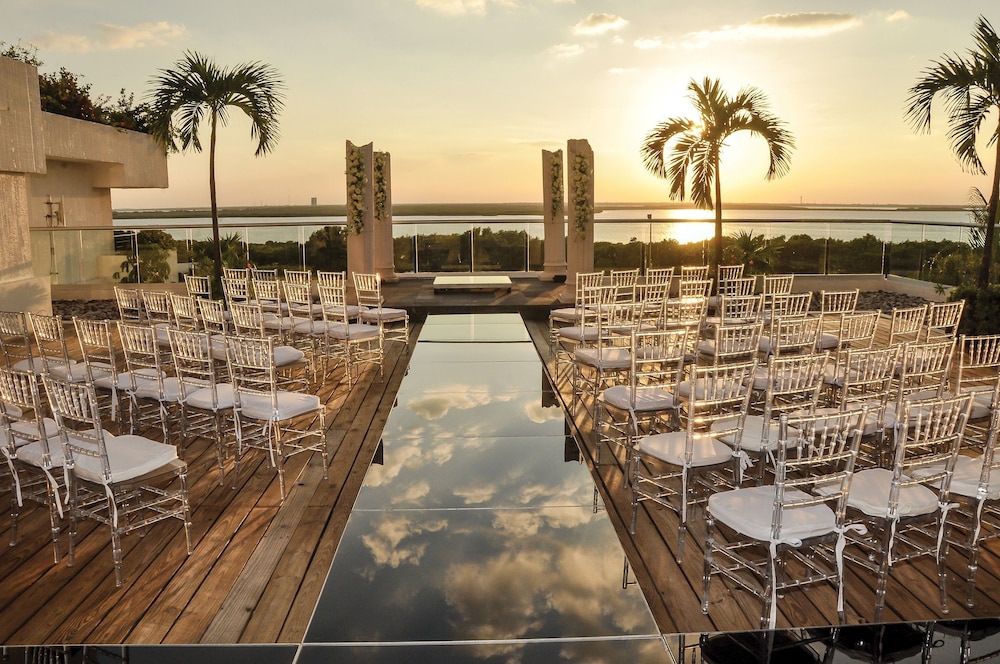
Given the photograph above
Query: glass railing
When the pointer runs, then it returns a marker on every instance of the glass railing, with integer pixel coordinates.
(163, 249)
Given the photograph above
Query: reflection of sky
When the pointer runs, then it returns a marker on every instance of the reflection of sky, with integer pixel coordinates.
(475, 527)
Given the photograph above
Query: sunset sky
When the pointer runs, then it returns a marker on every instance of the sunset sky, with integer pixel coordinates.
(464, 94)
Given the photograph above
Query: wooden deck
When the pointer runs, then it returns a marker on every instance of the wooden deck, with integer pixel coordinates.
(258, 565)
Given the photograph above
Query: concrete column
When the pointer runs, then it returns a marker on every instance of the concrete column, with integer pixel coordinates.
(554, 213)
(385, 263)
(580, 208)
(360, 209)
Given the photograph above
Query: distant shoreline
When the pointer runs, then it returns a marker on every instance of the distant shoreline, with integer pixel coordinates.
(483, 209)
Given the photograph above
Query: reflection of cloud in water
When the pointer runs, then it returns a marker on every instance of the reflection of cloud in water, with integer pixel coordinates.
(409, 454)
(510, 594)
(527, 523)
(540, 414)
(414, 493)
(435, 406)
(476, 495)
(387, 542)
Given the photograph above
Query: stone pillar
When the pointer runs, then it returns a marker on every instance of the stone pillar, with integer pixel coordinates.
(385, 263)
(554, 214)
(580, 208)
(360, 210)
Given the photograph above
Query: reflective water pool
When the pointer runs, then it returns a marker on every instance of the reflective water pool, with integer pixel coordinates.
(477, 536)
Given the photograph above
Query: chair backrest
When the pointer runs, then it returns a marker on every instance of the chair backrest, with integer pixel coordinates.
(159, 307)
(694, 288)
(298, 277)
(50, 340)
(130, 305)
(194, 363)
(198, 286)
(257, 274)
(790, 304)
(660, 275)
(368, 287)
(793, 383)
(185, 308)
(815, 461)
(923, 368)
(978, 367)
(778, 284)
(657, 359)
(145, 357)
(791, 334)
(735, 343)
(739, 308)
(21, 414)
(865, 376)
(74, 407)
(236, 290)
(247, 319)
(719, 394)
(213, 316)
(629, 277)
(906, 323)
(97, 344)
(926, 450)
(685, 312)
(731, 272)
(333, 300)
(694, 272)
(239, 273)
(839, 302)
(252, 369)
(15, 342)
(943, 319)
(267, 292)
(737, 286)
(328, 278)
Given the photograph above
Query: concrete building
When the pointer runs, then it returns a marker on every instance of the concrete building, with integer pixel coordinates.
(58, 171)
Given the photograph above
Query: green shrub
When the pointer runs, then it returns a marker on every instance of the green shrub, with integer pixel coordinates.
(982, 309)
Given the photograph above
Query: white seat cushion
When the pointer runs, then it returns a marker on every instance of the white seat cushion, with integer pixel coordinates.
(146, 388)
(749, 511)
(580, 334)
(604, 358)
(670, 448)
(755, 437)
(129, 457)
(289, 405)
(387, 315)
(647, 399)
(870, 495)
(203, 398)
(32, 453)
(965, 479)
(285, 355)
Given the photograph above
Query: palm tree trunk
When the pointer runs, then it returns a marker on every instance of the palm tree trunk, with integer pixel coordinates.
(991, 215)
(717, 258)
(216, 241)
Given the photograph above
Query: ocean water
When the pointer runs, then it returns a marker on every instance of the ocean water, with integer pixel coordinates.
(889, 224)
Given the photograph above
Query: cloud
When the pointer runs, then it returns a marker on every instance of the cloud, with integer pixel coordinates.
(599, 24)
(647, 43)
(111, 37)
(806, 25)
(566, 50)
(898, 15)
(463, 7)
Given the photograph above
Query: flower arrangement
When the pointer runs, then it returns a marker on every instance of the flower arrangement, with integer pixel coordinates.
(355, 190)
(582, 207)
(556, 183)
(381, 195)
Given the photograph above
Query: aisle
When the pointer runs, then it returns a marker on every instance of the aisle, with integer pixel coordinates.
(475, 537)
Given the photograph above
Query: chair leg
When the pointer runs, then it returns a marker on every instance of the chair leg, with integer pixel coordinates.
(706, 578)
(53, 520)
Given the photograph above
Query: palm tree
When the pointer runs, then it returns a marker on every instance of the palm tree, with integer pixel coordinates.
(197, 88)
(697, 144)
(971, 89)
